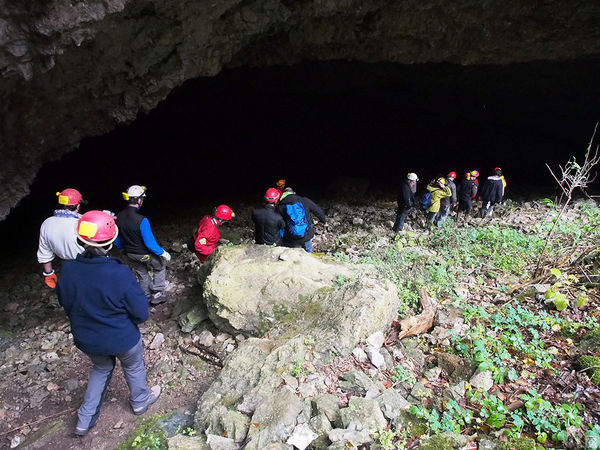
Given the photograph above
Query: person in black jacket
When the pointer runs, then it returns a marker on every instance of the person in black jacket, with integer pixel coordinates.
(140, 246)
(491, 192)
(297, 212)
(465, 192)
(406, 200)
(268, 223)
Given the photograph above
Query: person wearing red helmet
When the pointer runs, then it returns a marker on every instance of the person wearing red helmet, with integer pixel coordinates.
(140, 246)
(501, 176)
(447, 203)
(474, 177)
(207, 235)
(491, 192)
(105, 305)
(268, 223)
(58, 236)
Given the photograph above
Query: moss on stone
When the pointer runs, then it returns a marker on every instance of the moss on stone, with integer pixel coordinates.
(591, 340)
(230, 401)
(522, 443)
(149, 435)
(438, 442)
(593, 364)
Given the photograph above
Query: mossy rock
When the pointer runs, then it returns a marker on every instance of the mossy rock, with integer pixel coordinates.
(591, 340)
(522, 443)
(444, 441)
(149, 435)
(587, 362)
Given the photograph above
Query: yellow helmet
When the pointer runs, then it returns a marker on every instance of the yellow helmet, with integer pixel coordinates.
(441, 181)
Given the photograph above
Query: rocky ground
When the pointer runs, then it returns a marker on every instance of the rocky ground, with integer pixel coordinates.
(44, 376)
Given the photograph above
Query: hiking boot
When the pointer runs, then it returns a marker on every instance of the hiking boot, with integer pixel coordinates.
(154, 395)
(157, 298)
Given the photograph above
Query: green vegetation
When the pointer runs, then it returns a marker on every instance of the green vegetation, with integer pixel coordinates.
(488, 411)
(402, 375)
(298, 370)
(592, 365)
(148, 436)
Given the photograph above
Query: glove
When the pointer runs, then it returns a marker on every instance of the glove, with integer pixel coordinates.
(166, 256)
(50, 279)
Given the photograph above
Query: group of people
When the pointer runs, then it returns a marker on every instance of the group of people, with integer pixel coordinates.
(101, 296)
(285, 218)
(103, 299)
(105, 302)
(443, 194)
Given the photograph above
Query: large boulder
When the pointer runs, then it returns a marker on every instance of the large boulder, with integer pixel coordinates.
(311, 309)
(255, 289)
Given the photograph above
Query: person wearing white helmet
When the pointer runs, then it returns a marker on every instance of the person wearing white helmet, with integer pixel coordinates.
(406, 200)
(140, 245)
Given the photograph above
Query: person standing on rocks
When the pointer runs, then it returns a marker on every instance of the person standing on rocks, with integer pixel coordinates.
(207, 235)
(105, 305)
(465, 191)
(438, 190)
(58, 235)
(406, 200)
(140, 246)
(297, 211)
(491, 192)
(268, 223)
(447, 203)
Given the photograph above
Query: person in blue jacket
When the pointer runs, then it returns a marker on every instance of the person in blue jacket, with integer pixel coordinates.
(105, 305)
(140, 246)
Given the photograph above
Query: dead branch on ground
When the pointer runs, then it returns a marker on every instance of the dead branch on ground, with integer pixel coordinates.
(422, 322)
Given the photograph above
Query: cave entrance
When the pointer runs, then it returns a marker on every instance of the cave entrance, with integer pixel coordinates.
(229, 137)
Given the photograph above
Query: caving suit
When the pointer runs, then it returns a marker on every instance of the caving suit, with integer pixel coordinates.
(206, 237)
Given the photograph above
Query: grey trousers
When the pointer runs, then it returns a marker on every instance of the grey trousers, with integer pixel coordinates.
(142, 264)
(132, 363)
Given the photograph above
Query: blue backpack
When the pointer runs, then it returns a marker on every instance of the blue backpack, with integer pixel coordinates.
(296, 218)
(425, 201)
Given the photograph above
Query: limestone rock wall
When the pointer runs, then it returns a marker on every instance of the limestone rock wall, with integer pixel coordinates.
(76, 68)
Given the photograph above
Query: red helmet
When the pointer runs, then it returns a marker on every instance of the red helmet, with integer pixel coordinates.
(452, 175)
(69, 197)
(272, 195)
(475, 173)
(497, 168)
(224, 212)
(97, 228)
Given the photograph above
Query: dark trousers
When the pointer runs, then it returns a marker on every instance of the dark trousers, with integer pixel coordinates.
(465, 206)
(401, 216)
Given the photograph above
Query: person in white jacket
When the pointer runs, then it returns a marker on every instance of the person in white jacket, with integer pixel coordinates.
(58, 234)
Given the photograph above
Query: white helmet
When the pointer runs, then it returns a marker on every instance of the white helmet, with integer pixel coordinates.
(412, 177)
(134, 191)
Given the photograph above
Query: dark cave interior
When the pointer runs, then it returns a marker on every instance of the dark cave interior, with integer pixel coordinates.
(228, 138)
